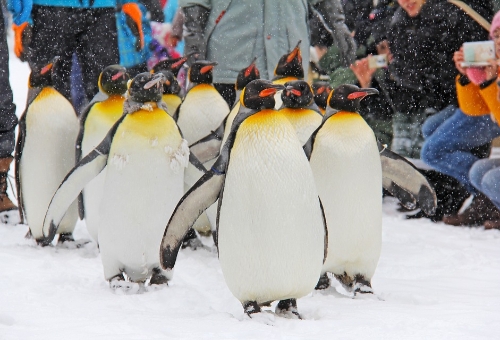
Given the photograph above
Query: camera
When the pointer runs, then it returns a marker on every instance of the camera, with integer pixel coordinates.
(377, 61)
(478, 53)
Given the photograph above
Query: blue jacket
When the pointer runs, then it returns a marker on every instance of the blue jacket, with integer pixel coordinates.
(21, 9)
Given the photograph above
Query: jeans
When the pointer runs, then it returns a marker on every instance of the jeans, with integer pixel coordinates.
(433, 122)
(407, 137)
(448, 148)
(485, 176)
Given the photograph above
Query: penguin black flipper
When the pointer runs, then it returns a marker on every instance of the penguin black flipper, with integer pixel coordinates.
(208, 148)
(325, 254)
(309, 146)
(83, 172)
(201, 196)
(176, 114)
(403, 180)
(18, 153)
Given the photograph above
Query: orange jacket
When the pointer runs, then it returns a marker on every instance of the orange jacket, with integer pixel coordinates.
(475, 101)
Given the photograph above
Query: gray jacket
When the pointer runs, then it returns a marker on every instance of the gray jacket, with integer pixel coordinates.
(236, 31)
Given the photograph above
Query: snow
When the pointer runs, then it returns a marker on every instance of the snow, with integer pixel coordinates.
(433, 282)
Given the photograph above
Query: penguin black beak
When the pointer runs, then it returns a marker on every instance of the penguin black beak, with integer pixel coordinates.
(362, 93)
(208, 68)
(157, 80)
(294, 53)
(271, 90)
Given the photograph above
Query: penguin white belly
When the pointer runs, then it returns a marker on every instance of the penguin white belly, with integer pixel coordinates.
(144, 182)
(48, 155)
(304, 121)
(97, 126)
(346, 165)
(271, 232)
(202, 112)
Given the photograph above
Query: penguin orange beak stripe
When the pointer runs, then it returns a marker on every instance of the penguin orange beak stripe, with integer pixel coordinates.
(179, 63)
(356, 95)
(321, 90)
(296, 92)
(118, 75)
(267, 92)
(249, 70)
(206, 69)
(46, 68)
(294, 53)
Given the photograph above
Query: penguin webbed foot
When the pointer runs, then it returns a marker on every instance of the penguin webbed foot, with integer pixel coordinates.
(158, 278)
(345, 280)
(288, 309)
(362, 285)
(323, 282)
(251, 307)
(65, 237)
(192, 240)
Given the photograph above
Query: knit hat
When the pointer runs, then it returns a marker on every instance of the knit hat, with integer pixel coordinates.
(495, 23)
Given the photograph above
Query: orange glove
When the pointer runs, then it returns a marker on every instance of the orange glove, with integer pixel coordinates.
(134, 21)
(22, 36)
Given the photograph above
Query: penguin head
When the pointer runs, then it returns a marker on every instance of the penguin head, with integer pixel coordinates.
(146, 87)
(113, 80)
(42, 77)
(290, 64)
(259, 94)
(296, 94)
(246, 75)
(173, 65)
(170, 85)
(321, 91)
(201, 72)
(348, 97)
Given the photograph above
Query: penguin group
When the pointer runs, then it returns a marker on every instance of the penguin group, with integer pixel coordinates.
(292, 187)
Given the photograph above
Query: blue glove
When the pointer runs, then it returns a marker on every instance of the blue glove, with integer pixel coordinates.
(21, 10)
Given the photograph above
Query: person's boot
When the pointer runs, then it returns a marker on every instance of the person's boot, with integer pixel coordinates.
(480, 210)
(9, 213)
(493, 224)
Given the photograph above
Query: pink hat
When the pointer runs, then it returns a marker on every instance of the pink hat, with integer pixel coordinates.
(495, 23)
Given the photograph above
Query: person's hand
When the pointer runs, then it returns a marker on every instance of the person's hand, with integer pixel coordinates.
(320, 51)
(491, 70)
(22, 38)
(363, 72)
(458, 58)
(383, 48)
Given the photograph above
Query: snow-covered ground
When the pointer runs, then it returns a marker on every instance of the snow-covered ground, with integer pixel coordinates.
(433, 282)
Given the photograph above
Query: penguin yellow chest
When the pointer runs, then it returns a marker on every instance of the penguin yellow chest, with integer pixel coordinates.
(304, 121)
(173, 101)
(100, 119)
(269, 210)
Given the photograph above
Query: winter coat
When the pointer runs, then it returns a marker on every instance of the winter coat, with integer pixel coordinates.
(423, 47)
(238, 31)
(478, 100)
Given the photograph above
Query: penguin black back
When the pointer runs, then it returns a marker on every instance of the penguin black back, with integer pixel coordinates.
(170, 85)
(259, 94)
(290, 64)
(348, 97)
(146, 87)
(173, 65)
(247, 75)
(297, 93)
(321, 91)
(113, 80)
(201, 72)
(40, 78)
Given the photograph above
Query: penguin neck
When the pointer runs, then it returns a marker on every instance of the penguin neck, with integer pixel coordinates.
(331, 111)
(238, 95)
(281, 80)
(191, 85)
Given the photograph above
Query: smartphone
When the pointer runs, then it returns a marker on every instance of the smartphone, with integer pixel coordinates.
(477, 53)
(377, 61)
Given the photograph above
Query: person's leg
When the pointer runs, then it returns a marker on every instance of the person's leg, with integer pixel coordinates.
(8, 122)
(433, 122)
(490, 184)
(407, 133)
(448, 150)
(54, 31)
(97, 46)
(479, 170)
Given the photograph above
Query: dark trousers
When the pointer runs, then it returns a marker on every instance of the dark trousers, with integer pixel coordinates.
(62, 31)
(8, 119)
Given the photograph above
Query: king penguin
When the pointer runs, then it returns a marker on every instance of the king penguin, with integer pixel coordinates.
(289, 68)
(321, 91)
(346, 163)
(145, 155)
(171, 89)
(95, 122)
(271, 231)
(45, 152)
(299, 108)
